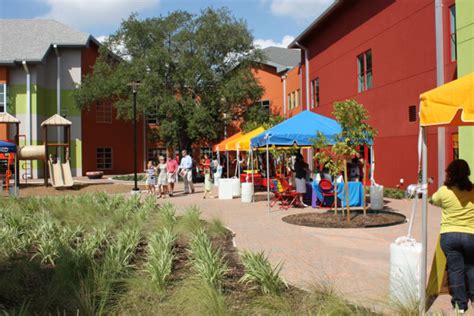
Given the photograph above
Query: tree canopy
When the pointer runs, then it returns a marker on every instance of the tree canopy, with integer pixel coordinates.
(193, 69)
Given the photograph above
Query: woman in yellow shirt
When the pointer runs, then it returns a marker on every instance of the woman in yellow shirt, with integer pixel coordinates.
(456, 198)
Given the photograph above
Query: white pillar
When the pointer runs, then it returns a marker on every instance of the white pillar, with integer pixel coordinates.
(439, 82)
(424, 220)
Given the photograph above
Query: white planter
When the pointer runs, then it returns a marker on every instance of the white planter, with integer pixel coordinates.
(376, 197)
(235, 187)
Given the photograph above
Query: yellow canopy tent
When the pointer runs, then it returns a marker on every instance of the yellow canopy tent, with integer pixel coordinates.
(222, 145)
(451, 104)
(242, 143)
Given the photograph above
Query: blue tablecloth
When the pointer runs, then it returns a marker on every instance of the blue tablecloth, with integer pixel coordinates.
(356, 194)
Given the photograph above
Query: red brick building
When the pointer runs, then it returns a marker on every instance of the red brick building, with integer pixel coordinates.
(381, 53)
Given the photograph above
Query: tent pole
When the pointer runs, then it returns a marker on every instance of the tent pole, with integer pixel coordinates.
(424, 219)
(227, 162)
(253, 172)
(268, 179)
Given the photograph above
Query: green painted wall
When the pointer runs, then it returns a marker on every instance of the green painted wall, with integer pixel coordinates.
(465, 60)
(43, 101)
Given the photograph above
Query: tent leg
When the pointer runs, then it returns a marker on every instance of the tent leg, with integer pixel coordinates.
(424, 224)
(268, 180)
(253, 178)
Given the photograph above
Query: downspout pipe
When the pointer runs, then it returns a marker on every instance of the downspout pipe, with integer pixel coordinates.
(440, 81)
(284, 94)
(306, 63)
(58, 87)
(28, 101)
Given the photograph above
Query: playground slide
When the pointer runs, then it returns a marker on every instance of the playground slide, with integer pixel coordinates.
(67, 175)
(60, 174)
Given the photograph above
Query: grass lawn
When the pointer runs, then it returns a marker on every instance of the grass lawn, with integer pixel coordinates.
(110, 254)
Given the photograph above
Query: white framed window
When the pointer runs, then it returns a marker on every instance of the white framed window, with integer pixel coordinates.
(104, 158)
(452, 32)
(364, 71)
(3, 97)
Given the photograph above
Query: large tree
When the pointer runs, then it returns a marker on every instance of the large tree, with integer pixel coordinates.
(194, 70)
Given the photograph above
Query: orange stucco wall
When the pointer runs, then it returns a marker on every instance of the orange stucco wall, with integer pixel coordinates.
(293, 84)
(273, 87)
(3, 79)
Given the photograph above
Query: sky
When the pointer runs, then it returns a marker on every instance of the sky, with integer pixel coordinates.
(272, 22)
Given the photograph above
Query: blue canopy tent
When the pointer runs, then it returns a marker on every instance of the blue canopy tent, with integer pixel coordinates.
(298, 130)
(10, 148)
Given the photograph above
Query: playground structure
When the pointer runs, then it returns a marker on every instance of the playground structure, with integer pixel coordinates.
(56, 162)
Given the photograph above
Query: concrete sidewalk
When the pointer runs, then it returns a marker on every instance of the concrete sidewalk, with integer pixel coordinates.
(354, 261)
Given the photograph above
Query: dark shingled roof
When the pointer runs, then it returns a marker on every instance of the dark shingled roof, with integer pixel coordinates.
(30, 40)
(281, 58)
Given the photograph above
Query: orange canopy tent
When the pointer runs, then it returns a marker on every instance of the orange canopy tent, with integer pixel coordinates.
(451, 104)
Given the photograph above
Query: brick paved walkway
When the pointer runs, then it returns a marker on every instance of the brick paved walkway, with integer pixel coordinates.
(355, 261)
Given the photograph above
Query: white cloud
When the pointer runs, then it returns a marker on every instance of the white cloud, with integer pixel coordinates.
(263, 43)
(299, 8)
(89, 13)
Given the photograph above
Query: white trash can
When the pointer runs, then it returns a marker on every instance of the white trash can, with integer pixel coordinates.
(235, 187)
(225, 189)
(376, 197)
(247, 192)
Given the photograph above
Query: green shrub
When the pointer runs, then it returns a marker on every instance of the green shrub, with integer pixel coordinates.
(130, 177)
(393, 193)
(207, 262)
(216, 228)
(190, 222)
(160, 257)
(260, 273)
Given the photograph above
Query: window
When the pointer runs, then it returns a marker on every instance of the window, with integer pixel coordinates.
(315, 92)
(104, 113)
(104, 158)
(452, 32)
(3, 98)
(289, 101)
(265, 104)
(412, 113)
(152, 116)
(364, 71)
(154, 153)
(297, 98)
(455, 144)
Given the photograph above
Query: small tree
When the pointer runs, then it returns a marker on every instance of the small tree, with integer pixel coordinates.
(353, 117)
(257, 116)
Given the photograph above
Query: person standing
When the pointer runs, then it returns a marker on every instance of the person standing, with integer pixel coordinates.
(206, 166)
(162, 177)
(456, 198)
(150, 177)
(172, 169)
(186, 171)
(301, 170)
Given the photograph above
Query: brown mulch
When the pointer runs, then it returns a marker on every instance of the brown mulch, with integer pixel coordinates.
(41, 190)
(358, 219)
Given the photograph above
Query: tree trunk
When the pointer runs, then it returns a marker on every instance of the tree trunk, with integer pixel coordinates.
(364, 186)
(346, 188)
(335, 199)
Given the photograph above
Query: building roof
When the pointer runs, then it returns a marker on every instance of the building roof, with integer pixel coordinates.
(30, 40)
(56, 120)
(281, 58)
(8, 118)
(320, 19)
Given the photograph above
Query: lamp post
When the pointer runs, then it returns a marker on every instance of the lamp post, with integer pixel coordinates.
(135, 85)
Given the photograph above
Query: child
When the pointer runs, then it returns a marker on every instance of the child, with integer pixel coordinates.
(162, 177)
(150, 177)
(207, 177)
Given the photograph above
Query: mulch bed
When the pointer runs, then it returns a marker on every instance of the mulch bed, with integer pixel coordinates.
(358, 219)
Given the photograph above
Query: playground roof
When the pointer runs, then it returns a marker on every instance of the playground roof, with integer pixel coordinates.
(56, 120)
(7, 147)
(8, 118)
(450, 104)
(299, 130)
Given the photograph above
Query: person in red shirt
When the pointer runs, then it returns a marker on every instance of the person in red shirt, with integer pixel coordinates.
(172, 167)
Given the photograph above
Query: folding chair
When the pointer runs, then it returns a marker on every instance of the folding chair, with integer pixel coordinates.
(284, 194)
(327, 190)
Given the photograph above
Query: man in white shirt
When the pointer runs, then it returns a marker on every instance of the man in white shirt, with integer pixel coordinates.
(186, 171)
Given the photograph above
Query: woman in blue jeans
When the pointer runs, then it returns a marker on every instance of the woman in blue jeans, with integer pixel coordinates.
(456, 198)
